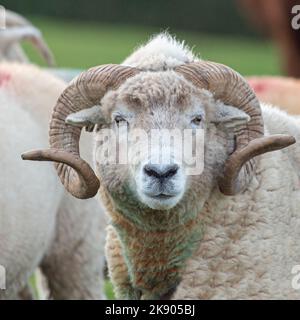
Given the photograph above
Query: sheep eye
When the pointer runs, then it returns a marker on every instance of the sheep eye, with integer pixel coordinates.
(197, 120)
(120, 120)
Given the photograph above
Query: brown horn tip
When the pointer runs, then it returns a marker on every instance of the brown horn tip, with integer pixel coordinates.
(36, 155)
(86, 186)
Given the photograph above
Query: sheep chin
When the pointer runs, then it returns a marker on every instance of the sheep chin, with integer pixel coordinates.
(160, 202)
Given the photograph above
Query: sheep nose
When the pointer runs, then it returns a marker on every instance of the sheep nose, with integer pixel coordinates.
(161, 171)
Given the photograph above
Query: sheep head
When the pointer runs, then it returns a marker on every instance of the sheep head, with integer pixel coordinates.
(203, 94)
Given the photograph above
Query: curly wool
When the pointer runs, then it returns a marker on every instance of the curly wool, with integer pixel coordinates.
(249, 243)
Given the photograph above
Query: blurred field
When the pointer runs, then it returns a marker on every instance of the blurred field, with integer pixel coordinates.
(82, 45)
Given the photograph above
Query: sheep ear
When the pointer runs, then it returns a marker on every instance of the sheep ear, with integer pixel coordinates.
(230, 117)
(87, 118)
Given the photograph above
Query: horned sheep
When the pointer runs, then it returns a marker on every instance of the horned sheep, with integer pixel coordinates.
(232, 231)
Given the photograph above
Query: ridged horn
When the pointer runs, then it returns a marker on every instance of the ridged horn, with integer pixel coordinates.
(84, 92)
(231, 88)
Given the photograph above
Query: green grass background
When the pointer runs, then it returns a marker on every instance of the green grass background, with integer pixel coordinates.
(82, 45)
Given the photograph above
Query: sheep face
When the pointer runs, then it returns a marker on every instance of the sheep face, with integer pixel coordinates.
(162, 102)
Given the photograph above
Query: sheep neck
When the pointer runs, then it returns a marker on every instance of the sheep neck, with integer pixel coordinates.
(156, 258)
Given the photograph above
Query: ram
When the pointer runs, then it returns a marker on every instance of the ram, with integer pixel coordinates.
(232, 231)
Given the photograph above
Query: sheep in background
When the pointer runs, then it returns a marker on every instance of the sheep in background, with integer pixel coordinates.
(231, 232)
(279, 91)
(40, 224)
(18, 29)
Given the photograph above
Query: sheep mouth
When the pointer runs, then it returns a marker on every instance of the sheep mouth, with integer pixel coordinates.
(163, 196)
(161, 201)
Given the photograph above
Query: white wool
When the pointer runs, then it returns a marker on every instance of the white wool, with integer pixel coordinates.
(40, 224)
(161, 52)
(252, 243)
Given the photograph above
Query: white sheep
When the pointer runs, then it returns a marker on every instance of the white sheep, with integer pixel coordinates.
(232, 231)
(40, 224)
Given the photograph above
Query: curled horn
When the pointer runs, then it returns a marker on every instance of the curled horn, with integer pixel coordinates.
(84, 92)
(14, 20)
(231, 88)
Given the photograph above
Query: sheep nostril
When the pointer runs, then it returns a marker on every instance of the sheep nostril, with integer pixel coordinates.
(161, 172)
(149, 171)
(171, 171)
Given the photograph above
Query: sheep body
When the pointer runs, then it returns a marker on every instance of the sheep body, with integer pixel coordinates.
(246, 245)
(40, 224)
(251, 241)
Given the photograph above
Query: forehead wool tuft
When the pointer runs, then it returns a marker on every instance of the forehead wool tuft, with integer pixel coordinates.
(160, 53)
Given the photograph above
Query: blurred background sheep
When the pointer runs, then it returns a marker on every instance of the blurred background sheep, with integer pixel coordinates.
(40, 224)
(254, 37)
